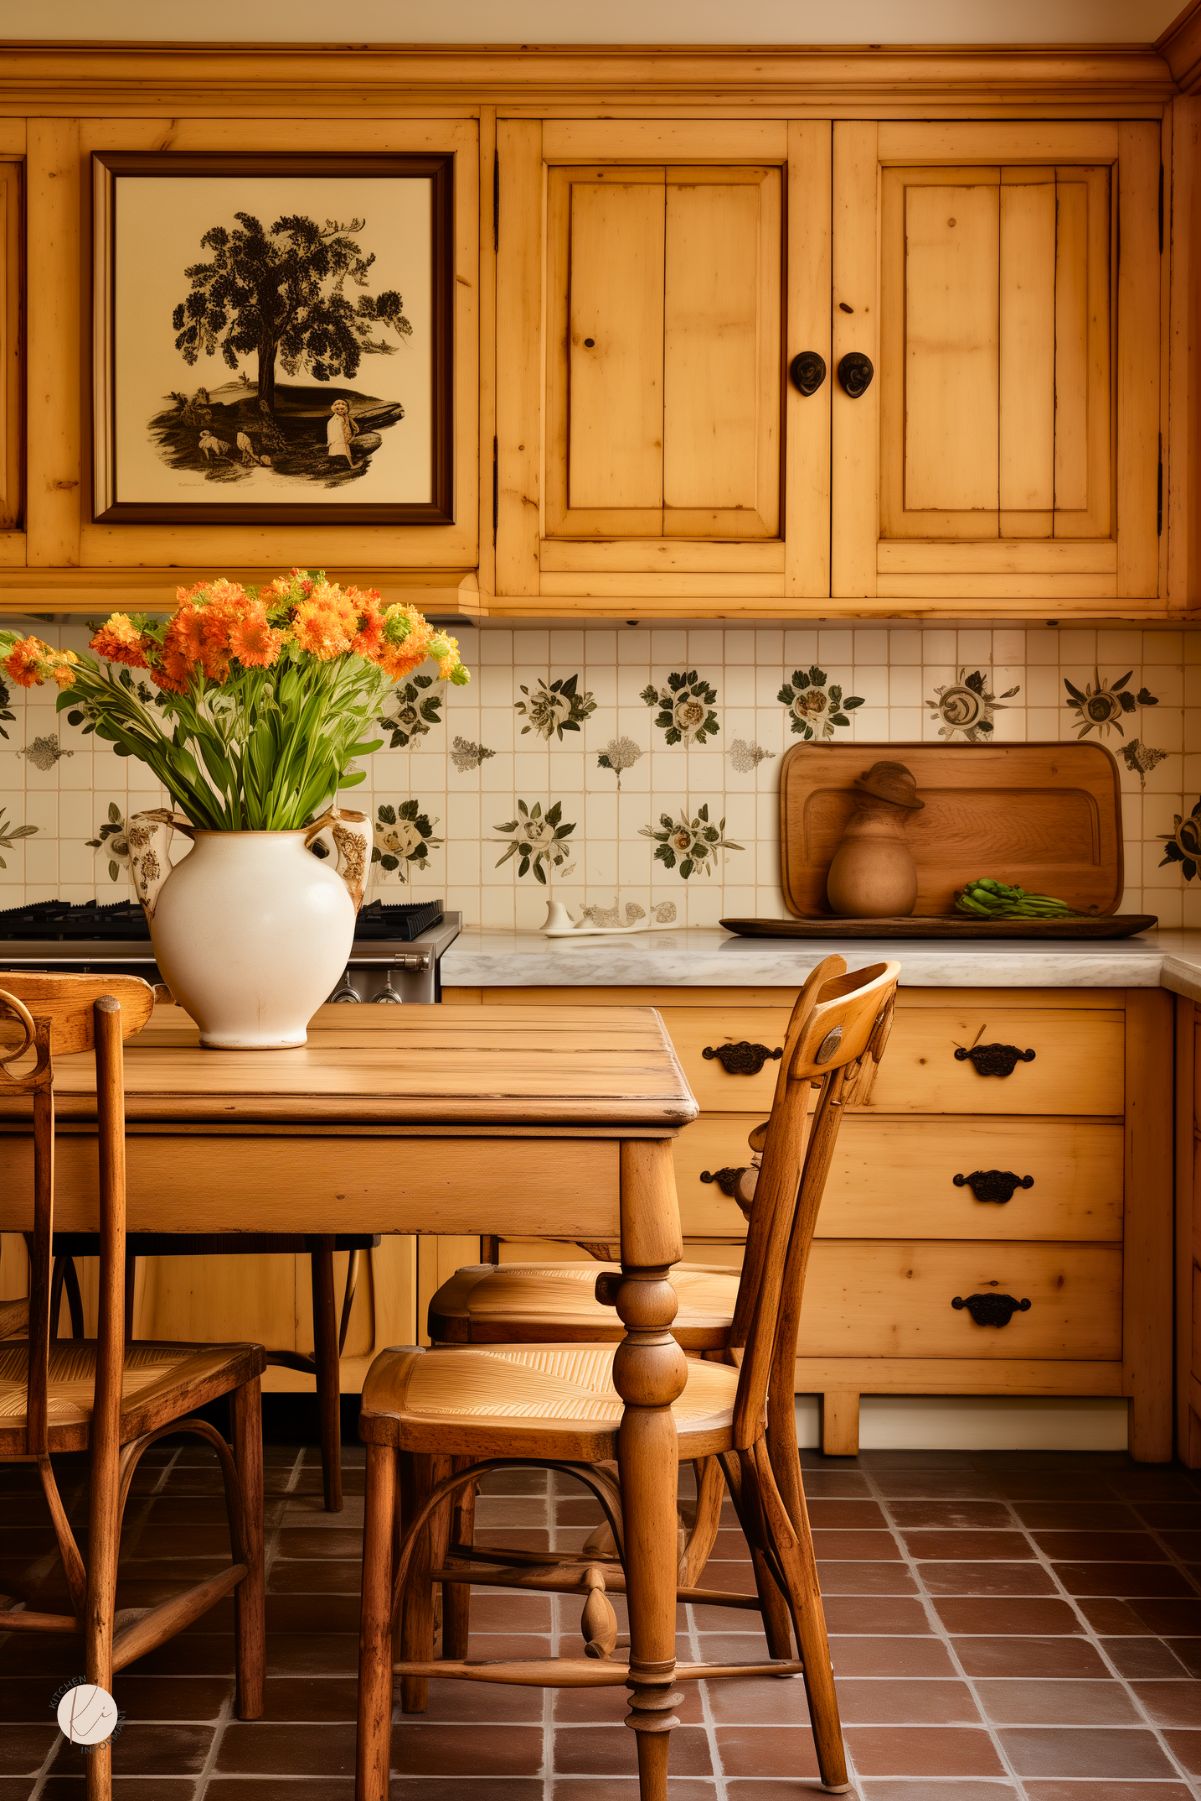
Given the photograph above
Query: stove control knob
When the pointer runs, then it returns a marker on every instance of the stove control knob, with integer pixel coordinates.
(344, 992)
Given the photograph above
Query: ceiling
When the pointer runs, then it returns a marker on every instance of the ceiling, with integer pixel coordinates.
(848, 22)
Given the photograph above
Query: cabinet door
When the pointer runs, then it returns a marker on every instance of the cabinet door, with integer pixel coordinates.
(1008, 445)
(650, 444)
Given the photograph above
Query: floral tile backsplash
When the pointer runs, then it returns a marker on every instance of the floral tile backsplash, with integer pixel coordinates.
(638, 768)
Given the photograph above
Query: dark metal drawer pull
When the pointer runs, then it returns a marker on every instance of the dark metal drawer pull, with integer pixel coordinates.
(993, 1184)
(742, 1059)
(993, 1059)
(991, 1309)
(807, 371)
(727, 1179)
(855, 372)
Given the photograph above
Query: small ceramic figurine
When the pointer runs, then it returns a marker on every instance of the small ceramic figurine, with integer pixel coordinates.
(872, 874)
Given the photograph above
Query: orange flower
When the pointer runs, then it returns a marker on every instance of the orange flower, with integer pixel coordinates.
(253, 641)
(173, 671)
(120, 641)
(324, 624)
(24, 662)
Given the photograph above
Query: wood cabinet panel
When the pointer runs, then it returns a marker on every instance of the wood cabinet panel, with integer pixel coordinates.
(894, 1299)
(1014, 352)
(1076, 1068)
(892, 1175)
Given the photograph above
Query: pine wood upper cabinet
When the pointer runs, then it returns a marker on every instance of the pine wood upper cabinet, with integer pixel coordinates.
(653, 280)
(1008, 446)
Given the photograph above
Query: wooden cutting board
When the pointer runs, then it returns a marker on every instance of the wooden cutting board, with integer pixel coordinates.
(1045, 816)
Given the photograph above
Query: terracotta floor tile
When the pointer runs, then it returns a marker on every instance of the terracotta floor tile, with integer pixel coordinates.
(1187, 1747)
(1107, 1791)
(865, 1613)
(172, 1697)
(759, 1701)
(125, 1788)
(987, 1578)
(840, 1482)
(24, 1749)
(471, 1750)
(315, 1576)
(906, 1703)
(1093, 1547)
(609, 1751)
(842, 1544)
(1015, 1656)
(1029, 1615)
(1171, 1703)
(314, 1788)
(480, 1788)
(611, 1788)
(1143, 1658)
(1109, 1617)
(856, 1515)
(766, 1751)
(919, 1750)
(966, 1545)
(1084, 1751)
(1178, 1514)
(890, 1657)
(1078, 1516)
(1170, 1619)
(976, 1516)
(1132, 1581)
(866, 1578)
(789, 1788)
(151, 1748)
(1035, 1702)
(922, 1790)
(1188, 1650)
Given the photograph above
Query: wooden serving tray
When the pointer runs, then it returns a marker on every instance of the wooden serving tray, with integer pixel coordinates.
(1045, 816)
(1105, 925)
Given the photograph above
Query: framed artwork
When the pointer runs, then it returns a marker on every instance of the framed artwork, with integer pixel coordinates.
(273, 338)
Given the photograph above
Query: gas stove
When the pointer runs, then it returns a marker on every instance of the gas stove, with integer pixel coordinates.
(397, 947)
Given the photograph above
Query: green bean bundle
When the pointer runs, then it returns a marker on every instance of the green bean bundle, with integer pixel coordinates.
(989, 899)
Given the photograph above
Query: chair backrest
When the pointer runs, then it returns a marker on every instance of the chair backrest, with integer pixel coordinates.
(43, 1017)
(836, 1035)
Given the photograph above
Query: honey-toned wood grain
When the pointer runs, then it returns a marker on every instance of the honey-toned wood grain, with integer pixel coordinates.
(893, 1299)
(893, 1174)
(809, 279)
(11, 358)
(1046, 816)
(1182, 518)
(1148, 1240)
(496, 1065)
(54, 469)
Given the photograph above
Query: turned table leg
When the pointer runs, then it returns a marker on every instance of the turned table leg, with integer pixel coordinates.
(649, 1371)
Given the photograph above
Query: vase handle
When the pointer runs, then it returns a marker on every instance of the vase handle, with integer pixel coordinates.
(150, 863)
(351, 833)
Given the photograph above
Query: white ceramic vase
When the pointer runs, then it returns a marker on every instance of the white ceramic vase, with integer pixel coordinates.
(251, 930)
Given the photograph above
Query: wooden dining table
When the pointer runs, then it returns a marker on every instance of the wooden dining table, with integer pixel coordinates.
(519, 1121)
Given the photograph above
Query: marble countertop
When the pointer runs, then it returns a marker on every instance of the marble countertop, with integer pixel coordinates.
(707, 957)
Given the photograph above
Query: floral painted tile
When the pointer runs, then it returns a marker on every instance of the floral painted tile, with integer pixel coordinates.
(816, 706)
(44, 752)
(684, 704)
(690, 844)
(552, 708)
(537, 837)
(1183, 843)
(6, 712)
(745, 757)
(662, 913)
(619, 755)
(413, 711)
(404, 837)
(1101, 705)
(1141, 759)
(10, 833)
(466, 754)
(966, 707)
(112, 841)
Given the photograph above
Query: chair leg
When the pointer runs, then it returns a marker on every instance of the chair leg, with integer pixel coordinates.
(104, 1526)
(250, 1596)
(793, 1548)
(773, 1607)
(329, 1383)
(375, 1635)
(417, 1622)
(131, 1286)
(456, 1596)
(705, 1523)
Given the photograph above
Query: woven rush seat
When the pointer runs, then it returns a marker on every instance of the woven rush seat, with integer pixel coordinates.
(539, 1396)
(488, 1302)
(150, 1372)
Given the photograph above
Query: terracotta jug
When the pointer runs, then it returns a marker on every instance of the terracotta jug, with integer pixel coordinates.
(872, 875)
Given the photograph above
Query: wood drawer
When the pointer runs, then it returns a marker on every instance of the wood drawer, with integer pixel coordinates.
(893, 1175)
(1077, 1067)
(893, 1299)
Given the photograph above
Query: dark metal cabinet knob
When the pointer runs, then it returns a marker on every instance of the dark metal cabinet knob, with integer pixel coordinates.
(993, 1059)
(991, 1309)
(742, 1059)
(727, 1178)
(807, 371)
(993, 1184)
(855, 373)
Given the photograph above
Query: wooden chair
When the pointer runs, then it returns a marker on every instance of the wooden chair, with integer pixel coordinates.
(440, 1418)
(101, 1395)
(330, 1325)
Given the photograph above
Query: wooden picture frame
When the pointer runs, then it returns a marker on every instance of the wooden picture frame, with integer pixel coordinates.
(336, 313)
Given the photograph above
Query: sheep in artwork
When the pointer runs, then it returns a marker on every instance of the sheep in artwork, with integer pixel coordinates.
(211, 446)
(247, 451)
